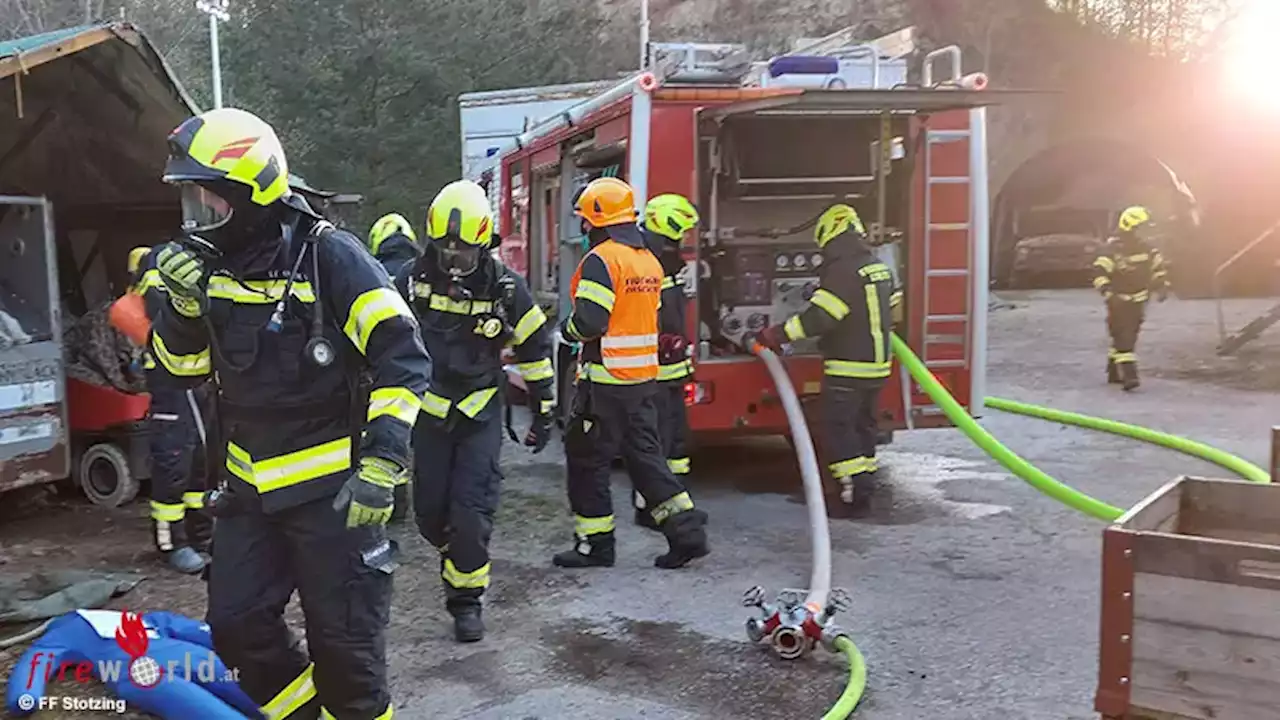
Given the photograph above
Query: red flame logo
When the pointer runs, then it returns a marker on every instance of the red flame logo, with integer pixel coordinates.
(234, 150)
(131, 636)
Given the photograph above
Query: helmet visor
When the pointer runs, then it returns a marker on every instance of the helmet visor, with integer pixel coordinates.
(457, 257)
(202, 209)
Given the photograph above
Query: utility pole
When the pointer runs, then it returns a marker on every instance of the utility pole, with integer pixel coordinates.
(217, 12)
(644, 34)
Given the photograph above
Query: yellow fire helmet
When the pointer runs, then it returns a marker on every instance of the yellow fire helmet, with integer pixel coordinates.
(461, 210)
(837, 220)
(1133, 218)
(232, 145)
(389, 225)
(135, 258)
(670, 215)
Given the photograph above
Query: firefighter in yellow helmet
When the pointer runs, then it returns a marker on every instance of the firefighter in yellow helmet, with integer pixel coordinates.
(1127, 270)
(667, 219)
(176, 428)
(393, 242)
(851, 314)
(470, 307)
(286, 312)
(616, 294)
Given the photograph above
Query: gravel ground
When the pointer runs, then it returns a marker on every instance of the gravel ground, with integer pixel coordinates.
(974, 597)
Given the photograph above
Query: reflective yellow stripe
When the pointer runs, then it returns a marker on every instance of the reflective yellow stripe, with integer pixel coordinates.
(168, 512)
(1140, 257)
(895, 298)
(290, 469)
(436, 405)
(474, 580)
(832, 303)
(668, 282)
(853, 466)
(1106, 263)
(585, 526)
(528, 325)
(294, 695)
(794, 328)
(150, 279)
(853, 369)
(257, 292)
(444, 303)
(872, 464)
(371, 308)
(675, 371)
(387, 714)
(1101, 280)
(679, 466)
(536, 370)
(193, 365)
(399, 402)
(1111, 354)
(676, 504)
(472, 404)
(596, 293)
(598, 374)
(1140, 296)
(873, 322)
(193, 500)
(148, 361)
(1126, 357)
(546, 406)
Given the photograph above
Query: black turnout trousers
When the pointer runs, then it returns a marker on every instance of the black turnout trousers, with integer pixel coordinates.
(852, 428)
(343, 577)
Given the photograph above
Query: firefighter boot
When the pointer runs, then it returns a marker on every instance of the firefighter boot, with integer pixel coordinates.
(687, 539)
(186, 560)
(468, 627)
(643, 518)
(856, 490)
(1129, 376)
(597, 550)
(1113, 374)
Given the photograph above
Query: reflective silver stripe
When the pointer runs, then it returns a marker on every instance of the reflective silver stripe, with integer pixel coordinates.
(631, 361)
(619, 342)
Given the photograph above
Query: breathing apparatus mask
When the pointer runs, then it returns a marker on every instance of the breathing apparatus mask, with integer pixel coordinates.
(219, 218)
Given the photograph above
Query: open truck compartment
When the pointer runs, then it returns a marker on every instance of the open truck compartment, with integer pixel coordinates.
(762, 160)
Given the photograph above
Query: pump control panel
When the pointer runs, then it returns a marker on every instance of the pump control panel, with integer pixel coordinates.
(762, 286)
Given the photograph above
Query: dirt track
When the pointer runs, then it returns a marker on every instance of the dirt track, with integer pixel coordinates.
(974, 596)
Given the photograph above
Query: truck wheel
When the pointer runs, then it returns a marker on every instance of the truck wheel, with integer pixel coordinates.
(104, 476)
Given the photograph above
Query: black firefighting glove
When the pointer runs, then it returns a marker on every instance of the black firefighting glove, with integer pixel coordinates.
(183, 273)
(540, 406)
(369, 495)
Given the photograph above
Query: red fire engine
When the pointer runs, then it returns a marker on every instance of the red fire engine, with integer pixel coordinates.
(762, 158)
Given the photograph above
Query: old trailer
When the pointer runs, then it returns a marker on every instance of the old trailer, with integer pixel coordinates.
(763, 156)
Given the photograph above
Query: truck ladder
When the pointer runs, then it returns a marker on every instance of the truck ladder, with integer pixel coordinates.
(946, 320)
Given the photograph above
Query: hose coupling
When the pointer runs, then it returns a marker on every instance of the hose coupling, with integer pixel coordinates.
(830, 634)
(789, 641)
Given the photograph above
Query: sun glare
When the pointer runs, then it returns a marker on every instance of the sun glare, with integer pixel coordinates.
(1251, 52)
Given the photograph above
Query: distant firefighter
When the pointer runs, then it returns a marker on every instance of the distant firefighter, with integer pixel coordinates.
(1126, 272)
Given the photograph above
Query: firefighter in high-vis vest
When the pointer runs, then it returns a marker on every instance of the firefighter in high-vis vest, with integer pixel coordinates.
(616, 294)
(470, 307)
(851, 314)
(287, 312)
(181, 528)
(394, 243)
(667, 218)
(1127, 271)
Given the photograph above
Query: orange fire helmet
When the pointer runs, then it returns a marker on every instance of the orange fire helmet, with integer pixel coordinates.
(607, 201)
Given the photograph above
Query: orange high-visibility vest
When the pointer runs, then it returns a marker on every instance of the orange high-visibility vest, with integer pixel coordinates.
(629, 347)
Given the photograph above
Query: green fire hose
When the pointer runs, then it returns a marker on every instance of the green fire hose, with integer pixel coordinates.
(1033, 475)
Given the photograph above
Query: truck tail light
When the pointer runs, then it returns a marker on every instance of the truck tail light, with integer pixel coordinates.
(696, 393)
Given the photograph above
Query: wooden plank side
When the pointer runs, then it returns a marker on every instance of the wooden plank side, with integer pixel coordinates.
(1158, 511)
(1247, 657)
(1115, 628)
(1244, 611)
(1200, 695)
(1231, 510)
(1216, 561)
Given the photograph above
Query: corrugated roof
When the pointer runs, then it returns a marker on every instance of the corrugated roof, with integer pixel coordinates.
(33, 42)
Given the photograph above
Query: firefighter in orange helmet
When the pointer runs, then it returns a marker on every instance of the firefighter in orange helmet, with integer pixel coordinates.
(616, 292)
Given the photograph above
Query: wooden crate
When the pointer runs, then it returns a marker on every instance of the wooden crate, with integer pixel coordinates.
(1191, 605)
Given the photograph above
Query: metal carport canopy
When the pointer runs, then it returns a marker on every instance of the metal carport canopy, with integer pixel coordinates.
(852, 102)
